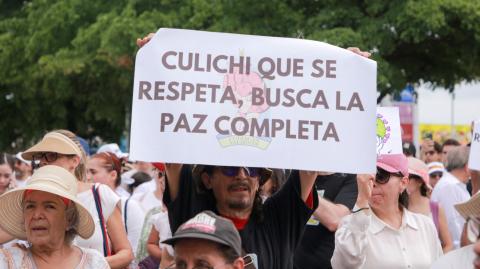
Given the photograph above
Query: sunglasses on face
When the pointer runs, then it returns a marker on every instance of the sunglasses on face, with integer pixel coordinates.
(436, 174)
(382, 176)
(231, 171)
(48, 156)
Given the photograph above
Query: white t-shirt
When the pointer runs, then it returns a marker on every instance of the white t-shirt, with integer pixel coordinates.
(122, 192)
(161, 224)
(148, 201)
(135, 217)
(448, 192)
(109, 201)
(21, 183)
(144, 188)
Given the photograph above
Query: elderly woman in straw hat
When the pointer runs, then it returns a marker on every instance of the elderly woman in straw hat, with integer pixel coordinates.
(48, 215)
(62, 148)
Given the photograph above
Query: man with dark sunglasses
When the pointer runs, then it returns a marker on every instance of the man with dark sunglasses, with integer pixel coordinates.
(270, 231)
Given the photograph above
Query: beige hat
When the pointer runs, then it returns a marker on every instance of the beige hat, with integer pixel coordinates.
(470, 208)
(53, 142)
(52, 179)
(418, 168)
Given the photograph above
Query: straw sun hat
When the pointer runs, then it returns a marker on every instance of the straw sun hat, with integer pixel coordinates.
(470, 208)
(53, 142)
(52, 179)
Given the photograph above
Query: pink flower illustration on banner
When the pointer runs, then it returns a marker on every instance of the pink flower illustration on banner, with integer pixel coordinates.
(242, 85)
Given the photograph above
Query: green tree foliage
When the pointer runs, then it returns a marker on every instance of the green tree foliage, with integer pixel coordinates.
(69, 64)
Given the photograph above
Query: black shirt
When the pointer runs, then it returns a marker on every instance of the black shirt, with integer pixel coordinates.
(318, 243)
(273, 239)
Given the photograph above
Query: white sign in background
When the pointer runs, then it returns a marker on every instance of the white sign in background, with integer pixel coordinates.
(389, 132)
(194, 102)
(474, 158)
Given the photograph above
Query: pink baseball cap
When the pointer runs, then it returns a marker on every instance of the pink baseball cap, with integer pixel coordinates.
(418, 168)
(393, 163)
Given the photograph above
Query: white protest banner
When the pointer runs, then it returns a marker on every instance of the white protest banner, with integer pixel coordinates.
(474, 158)
(229, 99)
(389, 132)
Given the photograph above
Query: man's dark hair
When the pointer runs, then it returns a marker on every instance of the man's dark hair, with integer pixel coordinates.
(409, 149)
(403, 199)
(278, 179)
(139, 178)
(437, 147)
(450, 142)
(228, 253)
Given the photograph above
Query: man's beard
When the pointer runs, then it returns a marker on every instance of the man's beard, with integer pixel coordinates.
(239, 205)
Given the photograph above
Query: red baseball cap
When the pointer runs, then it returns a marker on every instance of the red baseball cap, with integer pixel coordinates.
(159, 166)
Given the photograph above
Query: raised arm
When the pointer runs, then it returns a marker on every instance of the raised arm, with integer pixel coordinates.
(330, 214)
(116, 231)
(173, 171)
(445, 238)
(351, 237)
(307, 180)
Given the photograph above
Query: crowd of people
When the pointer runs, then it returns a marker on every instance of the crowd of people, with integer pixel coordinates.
(62, 207)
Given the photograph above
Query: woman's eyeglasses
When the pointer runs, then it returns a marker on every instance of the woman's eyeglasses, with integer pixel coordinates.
(48, 156)
(382, 176)
(231, 171)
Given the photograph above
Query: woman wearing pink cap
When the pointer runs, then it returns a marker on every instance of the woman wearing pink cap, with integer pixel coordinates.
(381, 232)
(418, 200)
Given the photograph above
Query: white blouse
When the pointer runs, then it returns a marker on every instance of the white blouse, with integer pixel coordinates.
(109, 201)
(135, 216)
(364, 241)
